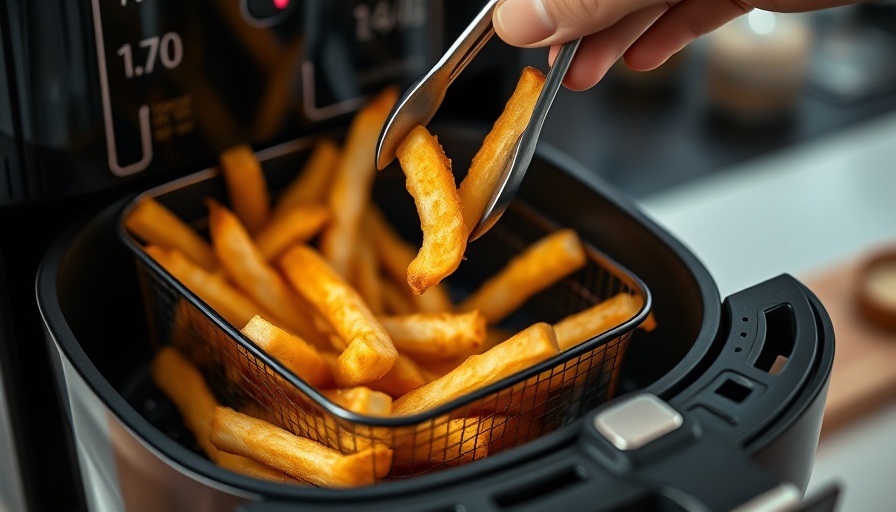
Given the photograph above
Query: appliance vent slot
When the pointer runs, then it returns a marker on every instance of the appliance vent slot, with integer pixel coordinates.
(734, 391)
(522, 495)
(780, 336)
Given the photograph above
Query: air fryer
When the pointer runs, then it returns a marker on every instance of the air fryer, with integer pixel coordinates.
(719, 407)
(102, 98)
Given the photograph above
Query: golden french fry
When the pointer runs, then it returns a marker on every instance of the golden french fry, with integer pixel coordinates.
(246, 186)
(294, 226)
(585, 325)
(253, 468)
(436, 336)
(244, 264)
(542, 264)
(395, 256)
(299, 457)
(649, 323)
(212, 288)
(184, 385)
(156, 225)
(341, 435)
(366, 275)
(293, 352)
(311, 185)
(370, 352)
(482, 178)
(431, 184)
(438, 368)
(361, 399)
(528, 347)
(457, 440)
(350, 192)
(485, 170)
(186, 388)
(404, 377)
(571, 331)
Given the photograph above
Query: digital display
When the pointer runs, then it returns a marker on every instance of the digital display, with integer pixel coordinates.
(182, 81)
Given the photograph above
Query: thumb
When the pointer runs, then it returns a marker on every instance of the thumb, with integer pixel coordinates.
(533, 23)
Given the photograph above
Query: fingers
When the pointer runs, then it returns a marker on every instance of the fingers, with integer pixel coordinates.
(797, 5)
(533, 23)
(679, 26)
(598, 52)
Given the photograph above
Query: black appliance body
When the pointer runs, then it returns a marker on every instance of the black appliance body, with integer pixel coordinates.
(727, 396)
(100, 98)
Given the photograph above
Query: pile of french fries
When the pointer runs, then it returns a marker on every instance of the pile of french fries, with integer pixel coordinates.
(318, 279)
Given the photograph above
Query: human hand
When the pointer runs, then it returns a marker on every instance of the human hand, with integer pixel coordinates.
(644, 32)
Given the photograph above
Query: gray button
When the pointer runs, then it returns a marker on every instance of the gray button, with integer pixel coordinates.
(637, 421)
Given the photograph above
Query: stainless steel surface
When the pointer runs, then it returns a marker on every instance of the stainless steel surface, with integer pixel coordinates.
(517, 163)
(123, 472)
(635, 422)
(421, 101)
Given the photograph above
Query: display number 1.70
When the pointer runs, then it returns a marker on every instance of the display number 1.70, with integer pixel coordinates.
(167, 49)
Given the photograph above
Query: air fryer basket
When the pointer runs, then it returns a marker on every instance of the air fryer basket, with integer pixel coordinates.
(745, 430)
(506, 414)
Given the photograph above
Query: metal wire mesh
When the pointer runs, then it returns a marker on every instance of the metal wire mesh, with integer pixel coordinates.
(485, 422)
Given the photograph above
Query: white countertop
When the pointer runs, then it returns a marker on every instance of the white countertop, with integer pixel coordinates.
(798, 211)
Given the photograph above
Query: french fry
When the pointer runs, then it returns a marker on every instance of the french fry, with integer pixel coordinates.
(244, 264)
(361, 399)
(370, 352)
(323, 283)
(295, 226)
(436, 336)
(157, 225)
(431, 184)
(313, 182)
(184, 385)
(229, 302)
(571, 331)
(299, 457)
(539, 266)
(404, 377)
(246, 186)
(350, 192)
(341, 435)
(253, 468)
(585, 325)
(438, 368)
(485, 170)
(456, 440)
(528, 347)
(293, 352)
(366, 275)
(396, 255)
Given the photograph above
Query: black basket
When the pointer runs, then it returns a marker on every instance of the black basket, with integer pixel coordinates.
(507, 413)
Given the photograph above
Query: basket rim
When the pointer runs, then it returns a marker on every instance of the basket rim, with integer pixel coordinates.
(340, 413)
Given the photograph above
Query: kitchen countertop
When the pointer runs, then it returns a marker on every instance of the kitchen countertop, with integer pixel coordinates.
(799, 211)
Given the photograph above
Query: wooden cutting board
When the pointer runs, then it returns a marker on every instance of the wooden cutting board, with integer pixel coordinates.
(864, 373)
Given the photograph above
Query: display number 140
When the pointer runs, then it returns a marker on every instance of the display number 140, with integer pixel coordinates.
(167, 49)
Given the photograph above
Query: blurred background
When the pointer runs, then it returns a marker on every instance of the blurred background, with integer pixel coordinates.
(770, 147)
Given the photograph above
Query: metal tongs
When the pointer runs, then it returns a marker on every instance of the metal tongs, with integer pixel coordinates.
(419, 103)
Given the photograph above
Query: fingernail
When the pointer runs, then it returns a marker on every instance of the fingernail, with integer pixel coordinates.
(523, 22)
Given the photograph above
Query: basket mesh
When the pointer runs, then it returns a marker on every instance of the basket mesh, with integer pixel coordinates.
(504, 415)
